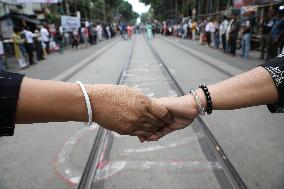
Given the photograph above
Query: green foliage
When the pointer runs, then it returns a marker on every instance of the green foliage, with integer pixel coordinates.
(104, 10)
(126, 11)
(53, 18)
(175, 9)
(107, 10)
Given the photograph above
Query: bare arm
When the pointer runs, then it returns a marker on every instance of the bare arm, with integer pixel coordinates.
(50, 101)
(252, 88)
(117, 108)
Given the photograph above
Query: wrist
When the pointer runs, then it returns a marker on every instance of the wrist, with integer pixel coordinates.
(78, 109)
(93, 94)
(202, 98)
(190, 104)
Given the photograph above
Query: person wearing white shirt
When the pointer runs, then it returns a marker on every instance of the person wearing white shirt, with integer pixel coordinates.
(45, 38)
(100, 32)
(223, 32)
(185, 30)
(2, 67)
(30, 45)
(210, 32)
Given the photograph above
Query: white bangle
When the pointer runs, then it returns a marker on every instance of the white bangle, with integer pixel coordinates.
(88, 102)
(198, 102)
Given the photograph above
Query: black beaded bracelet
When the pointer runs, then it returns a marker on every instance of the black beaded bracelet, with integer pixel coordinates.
(208, 99)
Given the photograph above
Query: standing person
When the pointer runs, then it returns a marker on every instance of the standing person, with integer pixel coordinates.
(246, 36)
(108, 32)
(18, 42)
(193, 29)
(202, 37)
(45, 36)
(149, 31)
(129, 31)
(2, 54)
(208, 36)
(165, 28)
(233, 34)
(76, 39)
(99, 32)
(228, 45)
(217, 34)
(85, 34)
(30, 45)
(38, 45)
(92, 34)
(266, 26)
(23, 44)
(185, 30)
(223, 31)
(154, 30)
(60, 39)
(124, 31)
(276, 32)
(212, 33)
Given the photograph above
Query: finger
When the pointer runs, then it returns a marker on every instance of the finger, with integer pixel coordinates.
(148, 127)
(141, 133)
(142, 139)
(160, 134)
(160, 112)
(154, 120)
(180, 123)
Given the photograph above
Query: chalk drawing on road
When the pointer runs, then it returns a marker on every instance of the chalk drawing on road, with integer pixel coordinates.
(63, 165)
(158, 146)
(111, 168)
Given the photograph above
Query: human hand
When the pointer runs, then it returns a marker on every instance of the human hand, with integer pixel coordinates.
(127, 111)
(184, 110)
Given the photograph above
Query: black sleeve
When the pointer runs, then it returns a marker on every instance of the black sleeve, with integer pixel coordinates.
(10, 84)
(276, 69)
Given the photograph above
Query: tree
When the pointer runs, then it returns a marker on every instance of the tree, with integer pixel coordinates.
(103, 10)
(175, 9)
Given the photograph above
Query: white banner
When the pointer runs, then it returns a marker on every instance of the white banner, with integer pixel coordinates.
(70, 23)
(38, 1)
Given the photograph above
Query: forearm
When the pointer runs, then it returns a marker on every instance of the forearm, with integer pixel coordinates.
(252, 88)
(50, 101)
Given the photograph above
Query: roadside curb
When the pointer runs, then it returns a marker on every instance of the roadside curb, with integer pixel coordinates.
(220, 65)
(66, 75)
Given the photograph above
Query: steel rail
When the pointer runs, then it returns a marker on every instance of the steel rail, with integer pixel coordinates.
(103, 140)
(199, 58)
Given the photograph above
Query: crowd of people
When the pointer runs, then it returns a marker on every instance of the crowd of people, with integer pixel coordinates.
(236, 31)
(41, 40)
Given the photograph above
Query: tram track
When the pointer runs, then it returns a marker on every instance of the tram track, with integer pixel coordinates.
(103, 142)
(227, 177)
(203, 60)
(211, 144)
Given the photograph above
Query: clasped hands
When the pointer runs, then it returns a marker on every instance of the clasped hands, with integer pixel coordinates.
(128, 112)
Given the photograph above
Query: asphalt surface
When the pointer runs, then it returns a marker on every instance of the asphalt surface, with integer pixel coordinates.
(176, 161)
(54, 155)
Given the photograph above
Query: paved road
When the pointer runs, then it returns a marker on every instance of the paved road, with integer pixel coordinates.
(53, 155)
(176, 161)
(57, 63)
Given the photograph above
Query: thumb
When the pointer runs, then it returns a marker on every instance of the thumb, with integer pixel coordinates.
(161, 112)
